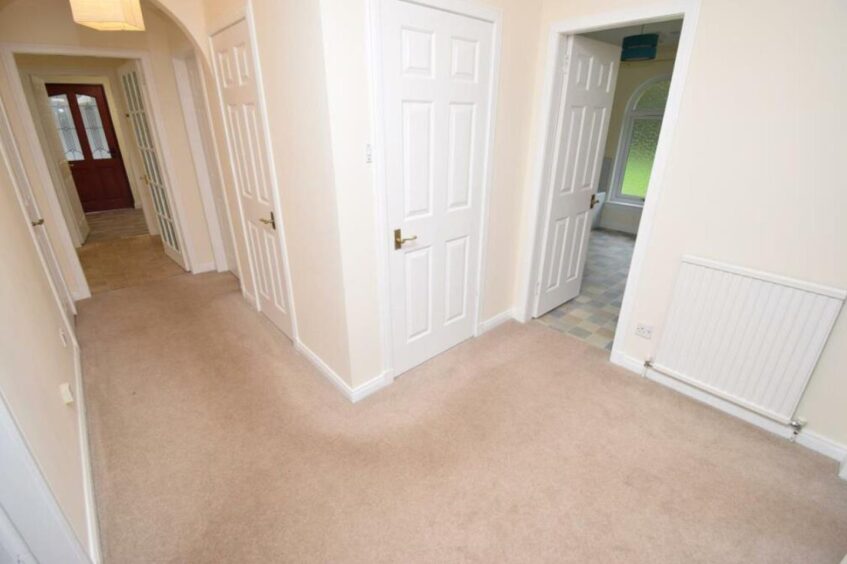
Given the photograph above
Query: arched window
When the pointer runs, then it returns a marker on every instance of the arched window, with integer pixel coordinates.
(638, 140)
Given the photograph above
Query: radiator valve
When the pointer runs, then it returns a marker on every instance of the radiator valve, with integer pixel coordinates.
(796, 426)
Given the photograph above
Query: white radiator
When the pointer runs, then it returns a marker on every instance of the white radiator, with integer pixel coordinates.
(748, 337)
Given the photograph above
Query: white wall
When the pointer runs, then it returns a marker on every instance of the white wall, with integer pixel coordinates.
(753, 180)
(34, 362)
(754, 177)
(291, 54)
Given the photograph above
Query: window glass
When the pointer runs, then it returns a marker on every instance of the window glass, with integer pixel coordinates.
(93, 127)
(639, 159)
(65, 126)
(654, 98)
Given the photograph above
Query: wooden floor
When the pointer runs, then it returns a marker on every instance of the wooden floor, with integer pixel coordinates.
(119, 252)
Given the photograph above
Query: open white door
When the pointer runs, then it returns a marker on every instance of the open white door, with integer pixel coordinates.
(50, 112)
(437, 69)
(247, 141)
(154, 178)
(584, 89)
(189, 81)
(11, 159)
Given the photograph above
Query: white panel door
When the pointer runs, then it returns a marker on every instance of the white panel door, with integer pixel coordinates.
(235, 70)
(437, 70)
(154, 177)
(584, 89)
(10, 158)
(66, 191)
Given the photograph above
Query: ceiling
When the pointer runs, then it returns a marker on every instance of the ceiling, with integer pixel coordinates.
(668, 32)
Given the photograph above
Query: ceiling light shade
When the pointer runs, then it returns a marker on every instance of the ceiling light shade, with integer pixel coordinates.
(640, 47)
(108, 15)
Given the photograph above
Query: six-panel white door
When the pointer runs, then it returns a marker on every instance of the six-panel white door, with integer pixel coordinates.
(235, 70)
(436, 73)
(584, 89)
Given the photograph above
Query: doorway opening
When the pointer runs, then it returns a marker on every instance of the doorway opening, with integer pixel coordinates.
(607, 112)
(93, 123)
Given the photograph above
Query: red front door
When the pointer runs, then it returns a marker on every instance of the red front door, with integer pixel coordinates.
(90, 145)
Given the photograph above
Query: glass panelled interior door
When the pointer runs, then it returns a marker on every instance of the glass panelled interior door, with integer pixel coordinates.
(154, 176)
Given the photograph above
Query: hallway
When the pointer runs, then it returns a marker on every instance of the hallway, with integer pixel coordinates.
(214, 441)
(119, 252)
(115, 224)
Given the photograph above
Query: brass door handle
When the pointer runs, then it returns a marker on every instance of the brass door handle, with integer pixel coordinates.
(271, 221)
(594, 200)
(399, 240)
(37, 222)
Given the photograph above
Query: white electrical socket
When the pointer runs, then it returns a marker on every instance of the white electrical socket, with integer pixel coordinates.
(644, 331)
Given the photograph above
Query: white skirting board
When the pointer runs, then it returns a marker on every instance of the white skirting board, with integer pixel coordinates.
(203, 267)
(496, 321)
(808, 439)
(94, 548)
(385, 379)
(353, 394)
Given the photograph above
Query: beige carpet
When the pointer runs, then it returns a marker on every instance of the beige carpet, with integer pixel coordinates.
(115, 224)
(213, 441)
(124, 262)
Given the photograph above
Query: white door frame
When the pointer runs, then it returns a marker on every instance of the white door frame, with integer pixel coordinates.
(669, 9)
(192, 115)
(228, 19)
(65, 244)
(129, 159)
(384, 237)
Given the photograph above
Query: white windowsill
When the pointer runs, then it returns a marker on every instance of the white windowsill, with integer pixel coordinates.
(625, 203)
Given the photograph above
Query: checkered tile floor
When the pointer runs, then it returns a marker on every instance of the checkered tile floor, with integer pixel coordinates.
(593, 315)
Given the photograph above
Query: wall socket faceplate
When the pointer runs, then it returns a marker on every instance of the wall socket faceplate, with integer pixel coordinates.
(644, 331)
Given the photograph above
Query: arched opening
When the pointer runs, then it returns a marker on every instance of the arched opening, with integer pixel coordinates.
(639, 137)
(143, 105)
